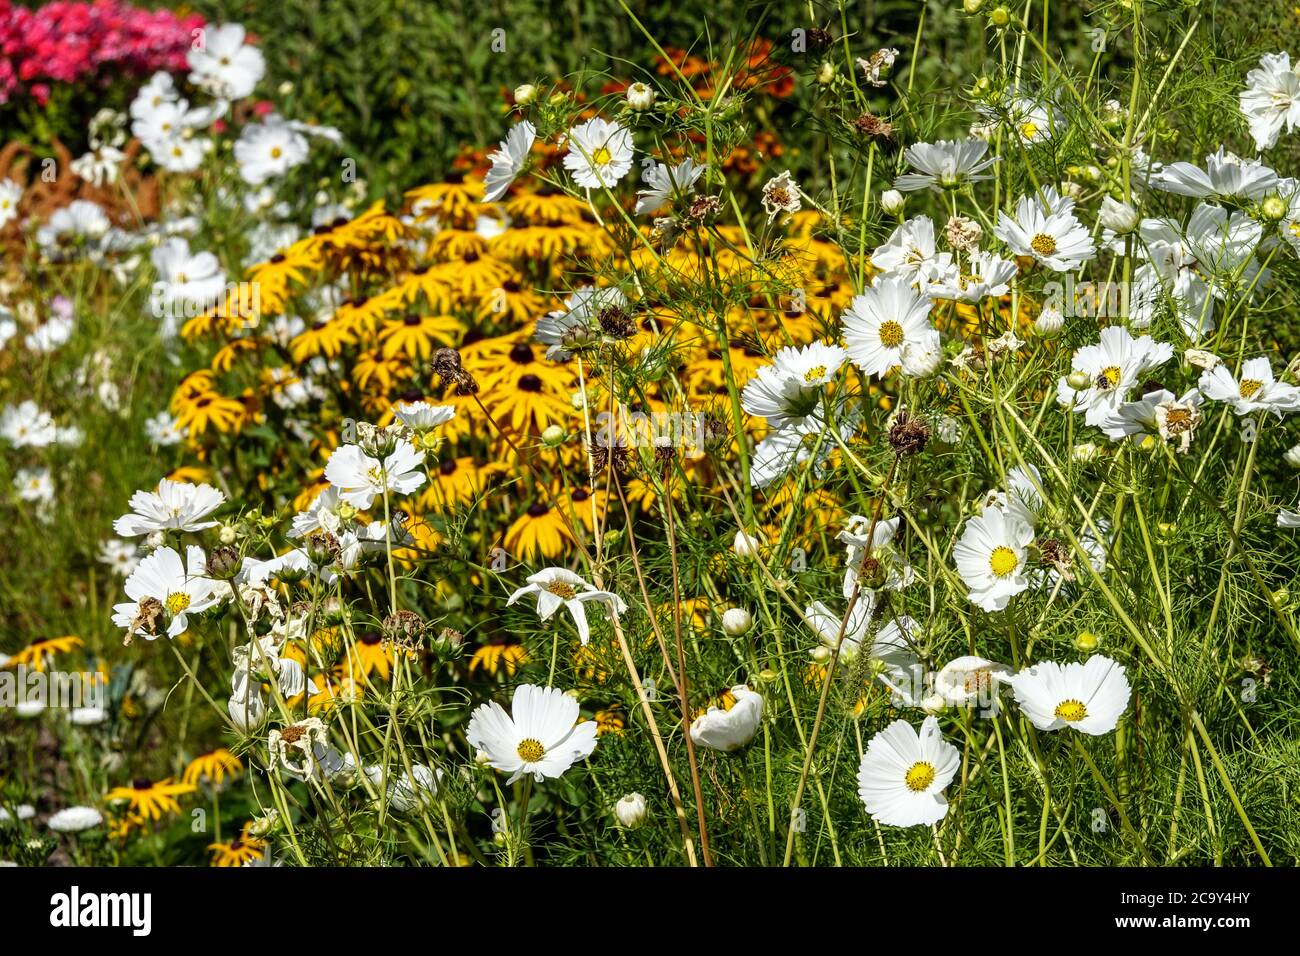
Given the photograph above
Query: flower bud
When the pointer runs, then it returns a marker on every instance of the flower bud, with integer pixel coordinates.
(1078, 380)
(892, 201)
(934, 704)
(553, 436)
(1273, 209)
(747, 545)
(736, 621)
(1118, 217)
(999, 17)
(1292, 456)
(525, 94)
(227, 534)
(631, 810)
(1086, 642)
(826, 72)
(1087, 451)
(223, 563)
(972, 7)
(1049, 322)
(640, 97)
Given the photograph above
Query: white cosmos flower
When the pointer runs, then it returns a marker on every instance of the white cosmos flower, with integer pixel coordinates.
(175, 506)
(1271, 99)
(122, 557)
(790, 389)
(509, 159)
(74, 819)
(268, 149)
(1288, 519)
(971, 680)
(1114, 366)
(728, 730)
(600, 153)
(27, 425)
(781, 194)
(560, 587)
(193, 281)
(988, 275)
(894, 648)
(909, 247)
(1034, 121)
(991, 557)
(1046, 230)
(80, 220)
(903, 774)
(884, 322)
(946, 164)
(224, 64)
(1142, 417)
(421, 416)
(1226, 176)
(1255, 390)
(23, 811)
(898, 573)
(407, 791)
(825, 623)
(361, 479)
(10, 194)
(784, 449)
(1089, 697)
(577, 322)
(180, 588)
(163, 429)
(34, 485)
(663, 182)
(541, 734)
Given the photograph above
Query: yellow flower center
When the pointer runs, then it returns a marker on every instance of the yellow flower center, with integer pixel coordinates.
(1003, 561)
(275, 152)
(891, 334)
(1249, 386)
(919, 776)
(601, 156)
(1043, 244)
(814, 373)
(1029, 129)
(1071, 710)
(562, 590)
(1109, 376)
(177, 602)
(530, 750)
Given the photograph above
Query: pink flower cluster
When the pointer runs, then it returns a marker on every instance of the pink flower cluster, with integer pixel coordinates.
(66, 42)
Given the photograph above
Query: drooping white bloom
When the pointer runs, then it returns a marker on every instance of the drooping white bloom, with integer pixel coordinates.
(1114, 367)
(541, 734)
(1271, 99)
(361, 478)
(560, 587)
(790, 389)
(74, 819)
(1117, 216)
(748, 545)
(79, 221)
(163, 586)
(421, 417)
(861, 539)
(294, 748)
(826, 623)
(1089, 697)
(408, 791)
(508, 160)
(1255, 390)
(946, 164)
(175, 506)
(991, 557)
(1045, 228)
(894, 649)
(903, 774)
(1226, 176)
(784, 449)
(882, 324)
(1157, 412)
(1288, 519)
(599, 153)
(728, 730)
(268, 149)
(224, 64)
(663, 182)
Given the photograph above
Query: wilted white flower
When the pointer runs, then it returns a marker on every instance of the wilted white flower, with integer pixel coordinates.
(781, 194)
(729, 730)
(560, 587)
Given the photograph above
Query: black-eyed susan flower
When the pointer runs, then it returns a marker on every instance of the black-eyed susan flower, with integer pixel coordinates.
(213, 767)
(498, 657)
(149, 800)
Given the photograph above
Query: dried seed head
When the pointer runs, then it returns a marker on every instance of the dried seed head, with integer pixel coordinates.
(874, 127)
(404, 630)
(223, 563)
(704, 207)
(908, 435)
(609, 454)
(615, 322)
(447, 366)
